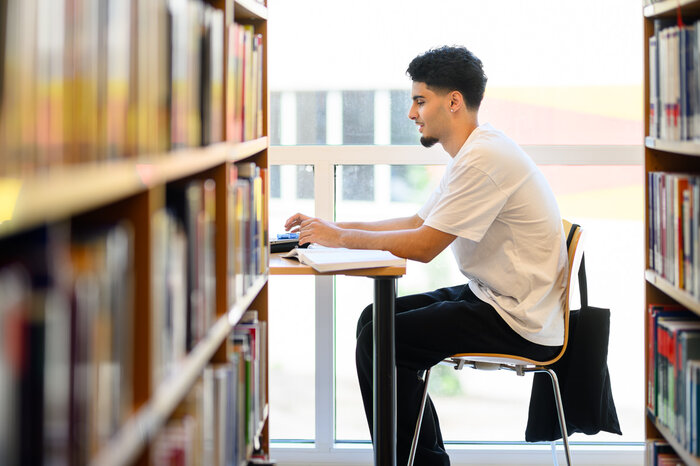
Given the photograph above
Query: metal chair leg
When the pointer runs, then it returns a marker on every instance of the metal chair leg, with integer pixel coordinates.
(560, 413)
(414, 443)
(553, 445)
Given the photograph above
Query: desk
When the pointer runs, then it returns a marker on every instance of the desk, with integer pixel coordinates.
(384, 357)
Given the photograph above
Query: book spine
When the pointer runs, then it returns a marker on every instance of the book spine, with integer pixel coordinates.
(673, 229)
(674, 74)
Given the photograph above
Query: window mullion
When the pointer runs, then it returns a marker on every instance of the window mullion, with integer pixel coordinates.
(324, 196)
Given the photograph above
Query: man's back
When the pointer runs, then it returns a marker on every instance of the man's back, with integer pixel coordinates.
(509, 234)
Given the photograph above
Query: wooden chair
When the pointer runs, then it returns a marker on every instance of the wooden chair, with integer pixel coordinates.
(520, 365)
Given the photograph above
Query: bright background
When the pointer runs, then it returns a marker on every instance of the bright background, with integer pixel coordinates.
(562, 74)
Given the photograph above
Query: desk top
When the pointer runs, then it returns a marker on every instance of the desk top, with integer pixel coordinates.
(281, 266)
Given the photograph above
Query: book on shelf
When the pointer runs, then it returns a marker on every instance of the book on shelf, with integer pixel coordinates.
(244, 216)
(193, 204)
(255, 331)
(151, 104)
(250, 245)
(169, 294)
(679, 341)
(213, 76)
(224, 402)
(654, 313)
(101, 351)
(65, 299)
(184, 272)
(224, 420)
(85, 82)
(674, 80)
(673, 232)
(15, 302)
(244, 89)
(688, 349)
(660, 453)
(324, 259)
(203, 429)
(674, 356)
(249, 341)
(19, 96)
(186, 69)
(208, 256)
(119, 79)
(234, 76)
(3, 23)
(264, 221)
(693, 404)
(234, 268)
(216, 422)
(174, 443)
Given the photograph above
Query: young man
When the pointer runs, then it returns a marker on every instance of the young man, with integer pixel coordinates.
(494, 207)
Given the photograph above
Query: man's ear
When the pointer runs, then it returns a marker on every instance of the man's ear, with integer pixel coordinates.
(456, 101)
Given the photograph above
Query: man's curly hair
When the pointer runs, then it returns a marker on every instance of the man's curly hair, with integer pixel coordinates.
(447, 69)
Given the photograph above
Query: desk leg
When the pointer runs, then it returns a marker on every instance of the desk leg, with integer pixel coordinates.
(384, 372)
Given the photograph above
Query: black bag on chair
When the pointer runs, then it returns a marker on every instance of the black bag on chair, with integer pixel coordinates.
(583, 376)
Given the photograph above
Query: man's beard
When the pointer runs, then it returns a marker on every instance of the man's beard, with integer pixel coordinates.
(428, 141)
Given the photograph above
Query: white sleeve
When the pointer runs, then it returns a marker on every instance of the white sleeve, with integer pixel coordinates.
(468, 206)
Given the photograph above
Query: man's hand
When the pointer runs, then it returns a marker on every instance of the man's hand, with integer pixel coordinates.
(404, 237)
(314, 230)
(293, 223)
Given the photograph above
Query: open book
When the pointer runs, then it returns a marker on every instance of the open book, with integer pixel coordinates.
(324, 259)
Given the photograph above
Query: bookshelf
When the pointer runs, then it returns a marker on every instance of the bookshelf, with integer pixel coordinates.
(133, 232)
(690, 148)
(671, 165)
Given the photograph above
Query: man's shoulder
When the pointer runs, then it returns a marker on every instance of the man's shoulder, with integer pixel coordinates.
(491, 148)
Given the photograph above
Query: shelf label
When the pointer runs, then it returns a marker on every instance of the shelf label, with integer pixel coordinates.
(9, 192)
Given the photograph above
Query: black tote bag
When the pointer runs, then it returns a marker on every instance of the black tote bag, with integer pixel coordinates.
(584, 379)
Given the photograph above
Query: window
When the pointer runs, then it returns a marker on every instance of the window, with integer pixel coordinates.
(574, 103)
(291, 307)
(358, 117)
(311, 111)
(553, 78)
(607, 201)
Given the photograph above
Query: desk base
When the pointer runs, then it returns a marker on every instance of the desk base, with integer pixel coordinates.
(384, 371)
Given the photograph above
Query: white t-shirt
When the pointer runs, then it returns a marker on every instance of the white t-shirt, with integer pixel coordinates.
(510, 240)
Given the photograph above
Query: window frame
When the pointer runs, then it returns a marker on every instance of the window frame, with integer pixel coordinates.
(324, 449)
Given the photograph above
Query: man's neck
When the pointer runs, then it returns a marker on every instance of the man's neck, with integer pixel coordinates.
(462, 130)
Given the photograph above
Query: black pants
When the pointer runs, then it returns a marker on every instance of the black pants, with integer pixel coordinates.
(429, 327)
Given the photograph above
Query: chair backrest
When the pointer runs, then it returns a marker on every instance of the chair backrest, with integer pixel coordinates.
(573, 234)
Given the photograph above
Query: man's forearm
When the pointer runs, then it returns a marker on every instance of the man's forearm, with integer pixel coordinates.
(405, 237)
(421, 244)
(402, 223)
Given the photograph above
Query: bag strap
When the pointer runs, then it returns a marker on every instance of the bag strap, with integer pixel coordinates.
(570, 238)
(582, 284)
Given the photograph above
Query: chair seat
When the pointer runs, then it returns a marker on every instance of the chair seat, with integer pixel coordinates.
(491, 359)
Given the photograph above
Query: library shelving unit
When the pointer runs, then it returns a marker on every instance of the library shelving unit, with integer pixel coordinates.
(678, 156)
(133, 232)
